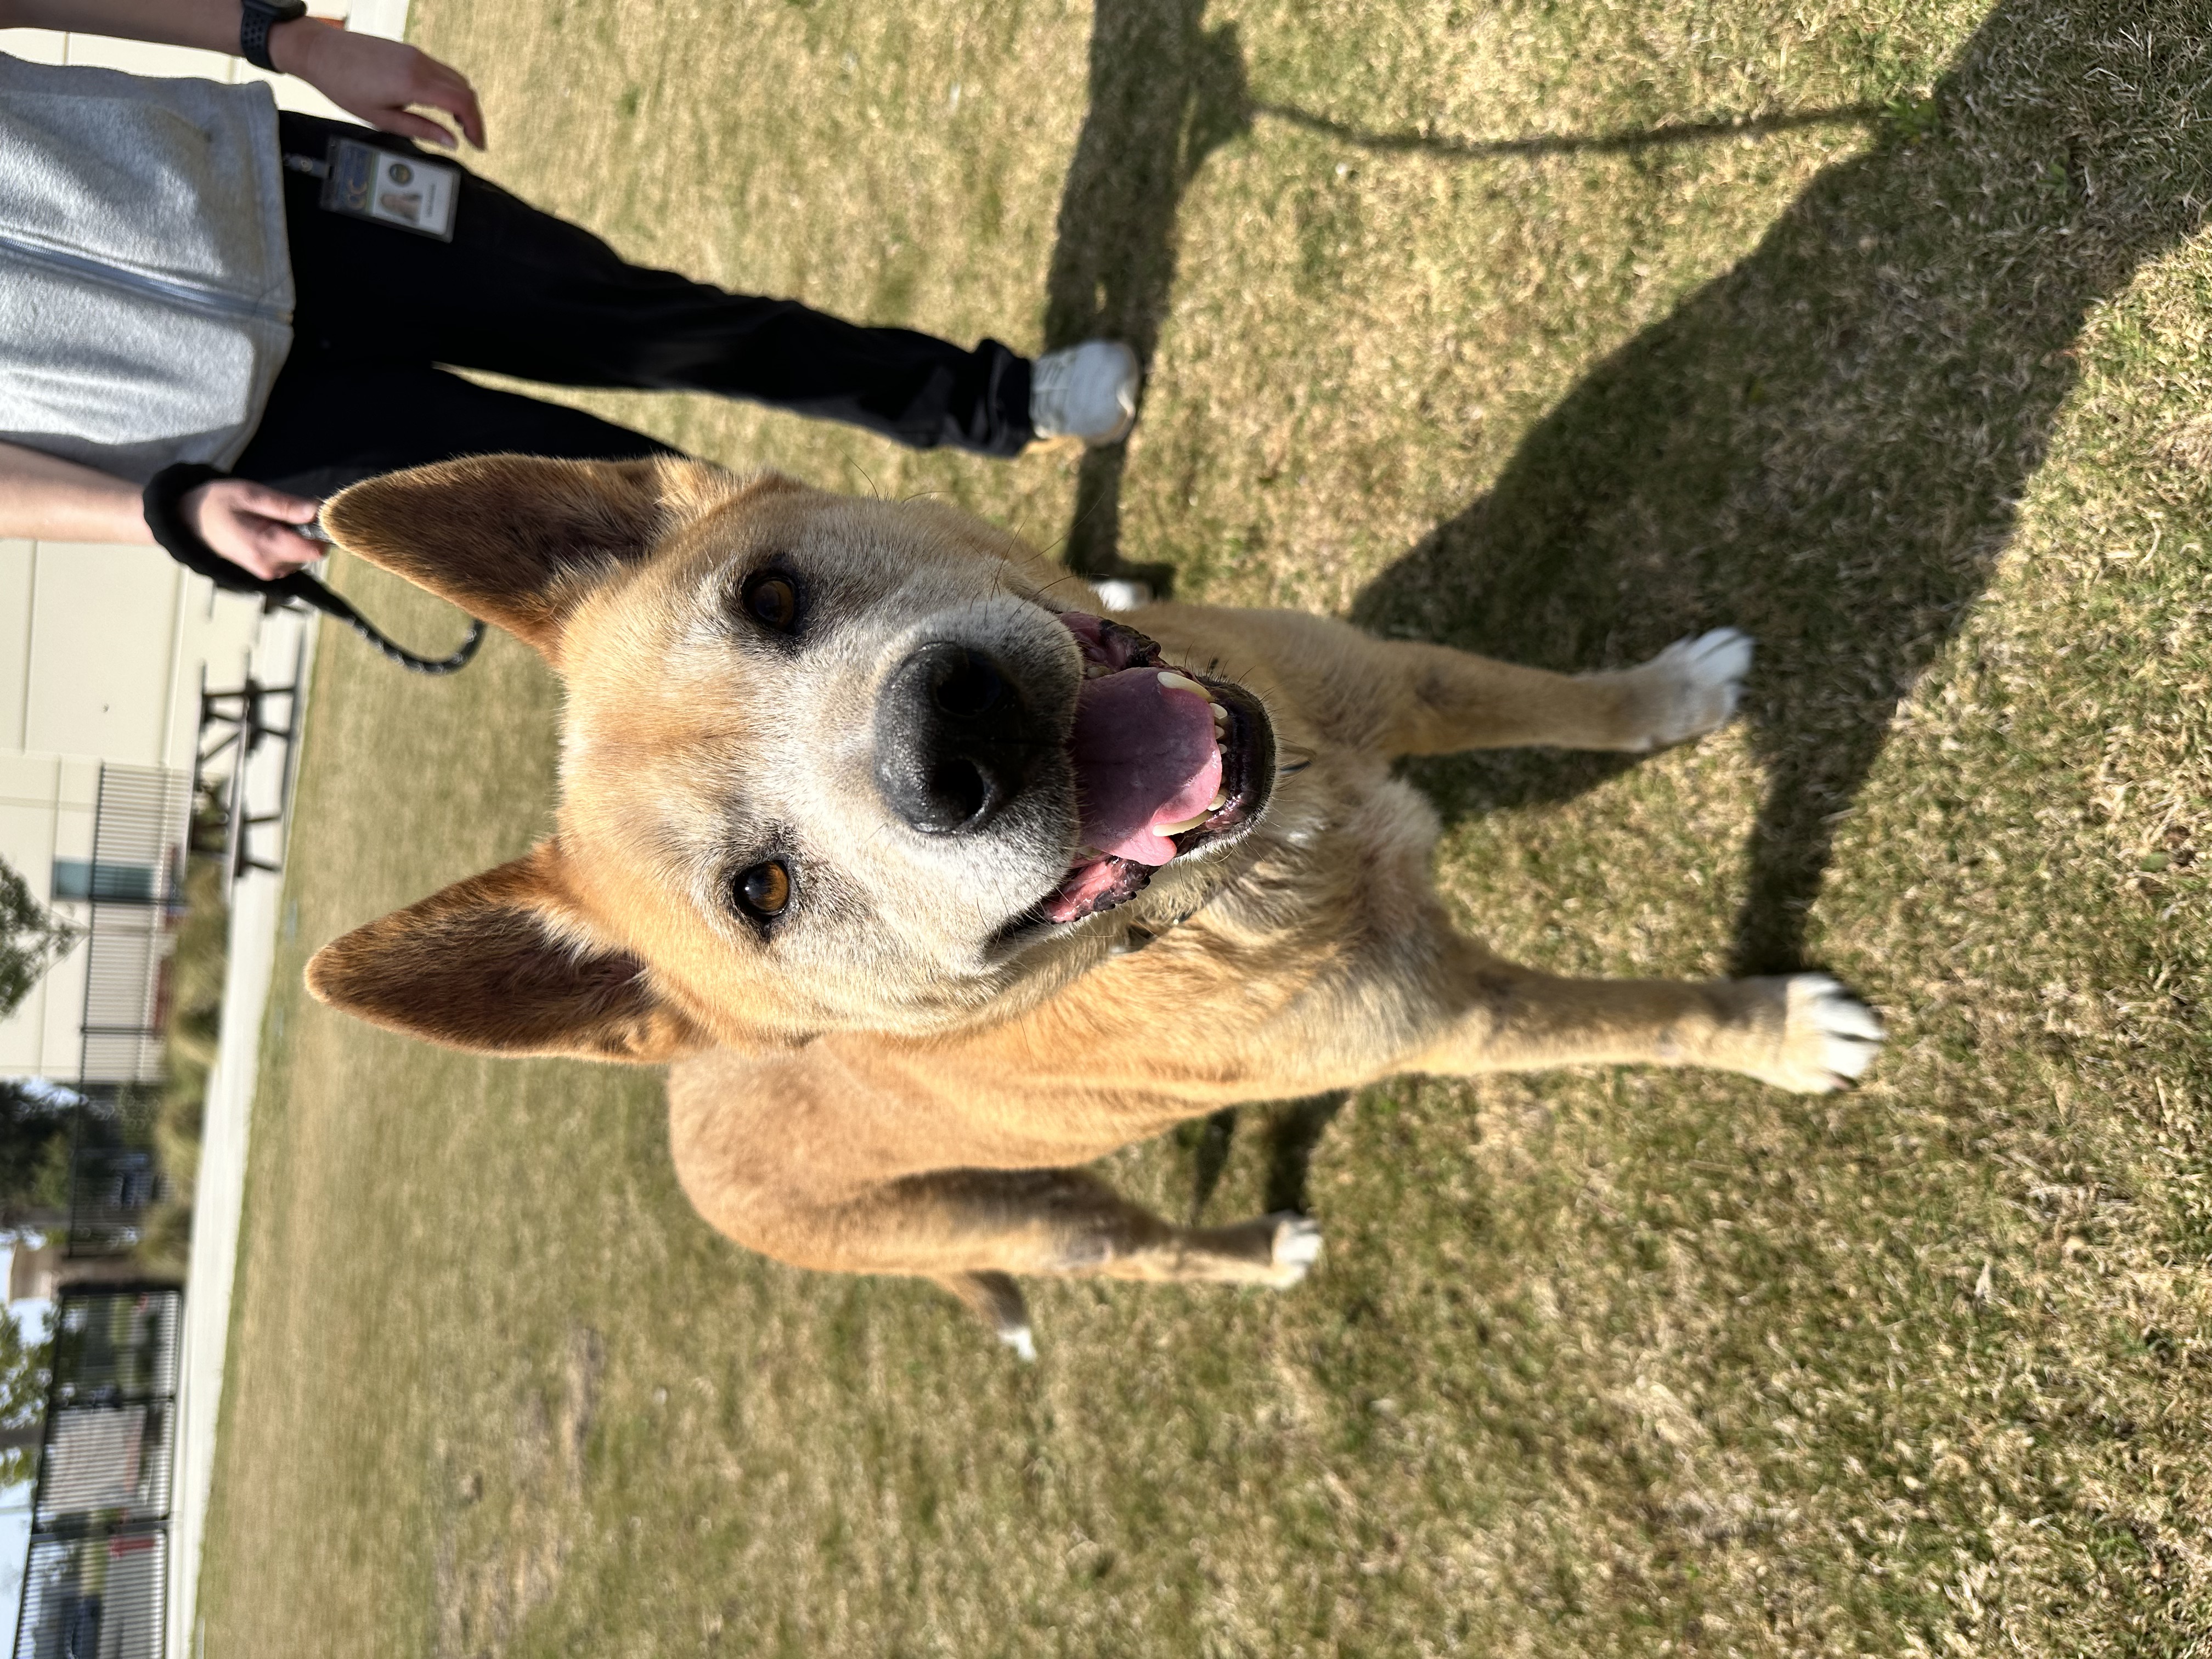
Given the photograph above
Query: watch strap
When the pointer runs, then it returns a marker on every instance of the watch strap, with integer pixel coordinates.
(255, 19)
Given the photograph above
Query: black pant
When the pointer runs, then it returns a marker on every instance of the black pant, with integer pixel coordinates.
(519, 292)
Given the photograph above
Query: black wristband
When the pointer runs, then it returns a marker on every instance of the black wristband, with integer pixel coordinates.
(164, 498)
(165, 516)
(255, 19)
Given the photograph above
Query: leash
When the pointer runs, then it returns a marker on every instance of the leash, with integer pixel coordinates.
(164, 499)
(313, 590)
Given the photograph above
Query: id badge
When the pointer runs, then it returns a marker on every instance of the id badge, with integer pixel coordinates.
(390, 188)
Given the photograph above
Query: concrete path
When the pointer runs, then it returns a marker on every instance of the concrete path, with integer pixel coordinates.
(218, 1200)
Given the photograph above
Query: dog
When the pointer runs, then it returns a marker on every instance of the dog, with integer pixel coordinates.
(933, 888)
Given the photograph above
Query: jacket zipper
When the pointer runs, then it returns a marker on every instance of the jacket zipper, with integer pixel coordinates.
(192, 295)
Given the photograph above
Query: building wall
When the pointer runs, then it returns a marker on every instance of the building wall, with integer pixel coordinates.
(103, 650)
(45, 814)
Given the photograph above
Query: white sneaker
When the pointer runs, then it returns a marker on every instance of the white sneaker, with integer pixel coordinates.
(1087, 391)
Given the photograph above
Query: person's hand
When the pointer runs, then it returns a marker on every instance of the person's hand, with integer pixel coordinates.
(254, 526)
(378, 80)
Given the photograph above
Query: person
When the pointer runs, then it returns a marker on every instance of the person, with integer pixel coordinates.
(176, 303)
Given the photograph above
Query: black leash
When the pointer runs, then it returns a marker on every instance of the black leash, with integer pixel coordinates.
(164, 499)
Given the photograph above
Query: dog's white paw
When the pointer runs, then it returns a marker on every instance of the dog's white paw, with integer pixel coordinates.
(1296, 1247)
(1118, 593)
(1692, 687)
(1017, 1338)
(1829, 1037)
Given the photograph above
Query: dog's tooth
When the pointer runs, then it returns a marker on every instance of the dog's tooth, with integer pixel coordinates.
(1175, 682)
(1096, 670)
(1187, 823)
(1220, 800)
(1220, 715)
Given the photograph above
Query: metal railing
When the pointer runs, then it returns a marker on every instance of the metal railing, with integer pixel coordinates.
(140, 823)
(114, 1175)
(96, 1581)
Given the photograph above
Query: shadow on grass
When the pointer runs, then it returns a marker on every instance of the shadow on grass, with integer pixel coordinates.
(1826, 446)
(1293, 1134)
(1166, 92)
(1576, 143)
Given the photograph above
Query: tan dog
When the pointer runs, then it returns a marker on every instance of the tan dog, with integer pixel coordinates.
(933, 890)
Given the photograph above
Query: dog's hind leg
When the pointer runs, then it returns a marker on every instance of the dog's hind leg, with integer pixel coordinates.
(971, 1230)
(1060, 1222)
(996, 1300)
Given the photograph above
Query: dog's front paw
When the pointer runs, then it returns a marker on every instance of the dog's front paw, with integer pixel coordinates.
(1121, 593)
(1691, 688)
(1828, 1036)
(1296, 1247)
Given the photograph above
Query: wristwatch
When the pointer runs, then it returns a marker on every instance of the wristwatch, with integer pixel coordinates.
(256, 19)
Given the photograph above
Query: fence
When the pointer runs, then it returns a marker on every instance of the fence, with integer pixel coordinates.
(96, 1583)
(134, 885)
(114, 1175)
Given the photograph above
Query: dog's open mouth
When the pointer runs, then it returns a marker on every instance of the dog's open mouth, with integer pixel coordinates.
(1168, 761)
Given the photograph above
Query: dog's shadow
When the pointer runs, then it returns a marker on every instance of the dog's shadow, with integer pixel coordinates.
(1293, 1133)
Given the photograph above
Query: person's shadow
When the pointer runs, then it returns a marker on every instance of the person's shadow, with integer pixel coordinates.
(1826, 445)
(1166, 92)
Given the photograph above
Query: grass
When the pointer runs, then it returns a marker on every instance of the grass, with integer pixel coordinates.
(194, 1031)
(1551, 330)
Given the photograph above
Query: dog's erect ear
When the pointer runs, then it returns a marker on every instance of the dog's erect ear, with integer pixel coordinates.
(498, 964)
(514, 539)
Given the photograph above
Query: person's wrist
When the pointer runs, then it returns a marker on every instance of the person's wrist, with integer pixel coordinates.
(293, 46)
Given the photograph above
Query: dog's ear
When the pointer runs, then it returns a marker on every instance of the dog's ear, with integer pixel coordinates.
(499, 965)
(518, 539)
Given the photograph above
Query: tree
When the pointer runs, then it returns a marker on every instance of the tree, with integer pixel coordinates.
(35, 1123)
(25, 1370)
(31, 940)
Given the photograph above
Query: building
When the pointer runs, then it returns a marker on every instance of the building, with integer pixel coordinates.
(103, 651)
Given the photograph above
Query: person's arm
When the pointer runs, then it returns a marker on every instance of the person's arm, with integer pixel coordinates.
(43, 498)
(375, 79)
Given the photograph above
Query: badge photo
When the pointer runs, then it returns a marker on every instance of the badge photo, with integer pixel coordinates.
(404, 191)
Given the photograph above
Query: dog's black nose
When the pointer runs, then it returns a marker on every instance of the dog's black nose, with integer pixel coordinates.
(955, 739)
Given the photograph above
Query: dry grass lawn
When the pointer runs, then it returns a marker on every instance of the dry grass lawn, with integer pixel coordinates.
(1556, 329)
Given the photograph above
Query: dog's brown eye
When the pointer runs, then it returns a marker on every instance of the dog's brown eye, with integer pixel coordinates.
(765, 888)
(772, 601)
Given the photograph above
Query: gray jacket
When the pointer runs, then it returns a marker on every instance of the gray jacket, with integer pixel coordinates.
(145, 289)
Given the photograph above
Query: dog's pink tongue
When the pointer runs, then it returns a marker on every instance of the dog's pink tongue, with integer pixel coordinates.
(1145, 757)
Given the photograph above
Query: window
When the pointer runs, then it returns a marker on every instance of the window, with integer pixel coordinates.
(105, 884)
